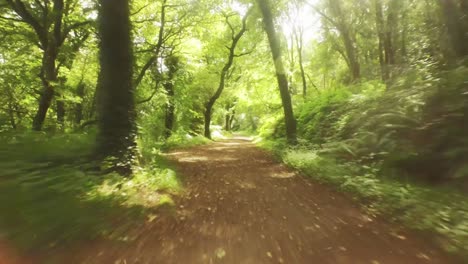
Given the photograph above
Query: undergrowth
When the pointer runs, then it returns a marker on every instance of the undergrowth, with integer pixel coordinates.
(150, 148)
(53, 195)
(435, 210)
(403, 149)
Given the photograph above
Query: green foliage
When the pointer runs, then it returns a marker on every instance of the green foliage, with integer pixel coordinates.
(353, 131)
(54, 195)
(417, 130)
(316, 115)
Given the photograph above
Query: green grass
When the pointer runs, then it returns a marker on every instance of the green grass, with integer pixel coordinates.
(50, 195)
(151, 149)
(443, 212)
(184, 141)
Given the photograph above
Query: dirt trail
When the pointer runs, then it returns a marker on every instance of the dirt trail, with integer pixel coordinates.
(242, 207)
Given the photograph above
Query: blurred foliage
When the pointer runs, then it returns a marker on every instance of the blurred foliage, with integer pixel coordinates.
(416, 133)
(403, 152)
(52, 195)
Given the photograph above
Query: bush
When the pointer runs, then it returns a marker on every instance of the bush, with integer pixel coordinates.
(418, 131)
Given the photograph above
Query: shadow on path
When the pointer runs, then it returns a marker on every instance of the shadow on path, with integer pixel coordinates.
(241, 206)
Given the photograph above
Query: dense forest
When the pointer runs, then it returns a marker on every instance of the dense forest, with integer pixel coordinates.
(368, 97)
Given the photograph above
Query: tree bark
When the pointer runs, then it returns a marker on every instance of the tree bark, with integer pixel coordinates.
(115, 102)
(170, 109)
(172, 63)
(353, 60)
(273, 40)
(48, 76)
(207, 115)
(80, 92)
(299, 47)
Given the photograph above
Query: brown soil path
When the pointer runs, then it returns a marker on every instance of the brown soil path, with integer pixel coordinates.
(242, 207)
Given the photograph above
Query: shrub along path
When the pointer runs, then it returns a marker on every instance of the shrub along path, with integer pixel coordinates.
(241, 206)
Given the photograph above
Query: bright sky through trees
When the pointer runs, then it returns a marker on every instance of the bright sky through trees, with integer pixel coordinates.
(301, 16)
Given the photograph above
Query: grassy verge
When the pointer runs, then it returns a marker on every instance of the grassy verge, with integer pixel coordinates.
(150, 148)
(443, 212)
(50, 195)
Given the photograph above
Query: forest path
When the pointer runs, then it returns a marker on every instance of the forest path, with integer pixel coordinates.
(242, 207)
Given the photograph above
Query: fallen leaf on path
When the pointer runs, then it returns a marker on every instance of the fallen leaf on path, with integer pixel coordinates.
(423, 256)
(151, 217)
(220, 253)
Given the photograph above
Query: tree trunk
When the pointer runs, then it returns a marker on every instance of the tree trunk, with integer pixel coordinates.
(292, 68)
(379, 20)
(44, 103)
(464, 11)
(172, 63)
(348, 40)
(404, 33)
(453, 16)
(231, 120)
(354, 65)
(49, 29)
(60, 104)
(229, 117)
(170, 109)
(80, 91)
(93, 108)
(275, 47)
(11, 114)
(224, 72)
(299, 39)
(49, 77)
(115, 102)
(207, 115)
(390, 33)
(386, 31)
(227, 126)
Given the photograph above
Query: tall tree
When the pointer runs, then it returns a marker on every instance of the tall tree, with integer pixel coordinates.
(338, 19)
(115, 102)
(297, 41)
(235, 38)
(51, 29)
(172, 64)
(290, 120)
